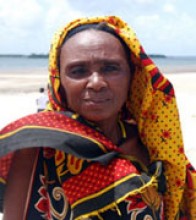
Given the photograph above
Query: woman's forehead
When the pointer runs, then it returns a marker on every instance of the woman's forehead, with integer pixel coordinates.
(92, 41)
(91, 35)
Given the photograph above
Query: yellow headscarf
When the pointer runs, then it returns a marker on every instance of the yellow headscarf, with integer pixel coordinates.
(151, 103)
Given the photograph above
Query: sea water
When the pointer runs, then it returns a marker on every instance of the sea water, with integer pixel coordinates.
(22, 64)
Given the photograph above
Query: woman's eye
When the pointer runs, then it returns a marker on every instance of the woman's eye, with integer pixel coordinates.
(78, 72)
(110, 68)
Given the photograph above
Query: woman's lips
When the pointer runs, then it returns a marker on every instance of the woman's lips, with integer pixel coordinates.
(97, 101)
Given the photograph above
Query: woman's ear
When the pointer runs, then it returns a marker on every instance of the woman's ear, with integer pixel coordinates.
(63, 98)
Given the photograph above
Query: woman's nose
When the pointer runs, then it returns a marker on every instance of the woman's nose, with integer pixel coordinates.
(96, 81)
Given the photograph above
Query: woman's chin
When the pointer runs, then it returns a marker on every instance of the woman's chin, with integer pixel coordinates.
(98, 117)
(95, 117)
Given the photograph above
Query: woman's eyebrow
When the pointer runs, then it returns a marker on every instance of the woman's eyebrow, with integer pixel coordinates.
(76, 63)
(97, 61)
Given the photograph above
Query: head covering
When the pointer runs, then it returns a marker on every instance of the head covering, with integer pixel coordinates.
(151, 103)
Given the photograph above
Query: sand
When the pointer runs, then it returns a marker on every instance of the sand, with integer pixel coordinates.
(18, 95)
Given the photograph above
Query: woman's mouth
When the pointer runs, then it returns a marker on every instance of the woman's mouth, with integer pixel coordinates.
(97, 101)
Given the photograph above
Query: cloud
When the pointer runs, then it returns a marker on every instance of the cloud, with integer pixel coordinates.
(15, 14)
(60, 12)
(144, 20)
(28, 26)
(169, 8)
(144, 1)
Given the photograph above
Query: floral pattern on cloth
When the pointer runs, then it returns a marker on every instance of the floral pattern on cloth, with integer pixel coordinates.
(50, 201)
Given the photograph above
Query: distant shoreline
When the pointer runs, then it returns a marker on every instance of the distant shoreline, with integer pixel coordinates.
(43, 55)
(24, 56)
(34, 55)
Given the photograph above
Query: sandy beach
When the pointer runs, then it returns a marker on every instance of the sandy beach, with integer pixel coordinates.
(18, 93)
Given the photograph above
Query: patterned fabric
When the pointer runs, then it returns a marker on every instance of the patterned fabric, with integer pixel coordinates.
(151, 103)
(94, 182)
(50, 193)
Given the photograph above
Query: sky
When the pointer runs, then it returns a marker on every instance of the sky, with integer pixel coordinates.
(163, 26)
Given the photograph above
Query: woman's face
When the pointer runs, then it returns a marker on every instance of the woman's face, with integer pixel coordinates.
(95, 75)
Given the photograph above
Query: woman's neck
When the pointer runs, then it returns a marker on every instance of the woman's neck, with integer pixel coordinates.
(111, 130)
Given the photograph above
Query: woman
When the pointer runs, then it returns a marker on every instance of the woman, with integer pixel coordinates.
(109, 145)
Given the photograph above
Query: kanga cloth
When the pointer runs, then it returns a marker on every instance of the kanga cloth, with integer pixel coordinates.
(90, 178)
(151, 103)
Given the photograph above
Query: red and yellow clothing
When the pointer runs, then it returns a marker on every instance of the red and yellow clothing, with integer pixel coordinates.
(151, 104)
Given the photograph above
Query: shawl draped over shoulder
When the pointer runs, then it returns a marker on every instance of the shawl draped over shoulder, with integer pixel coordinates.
(151, 103)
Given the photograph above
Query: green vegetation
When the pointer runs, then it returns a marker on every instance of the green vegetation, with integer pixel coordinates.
(157, 56)
(33, 55)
